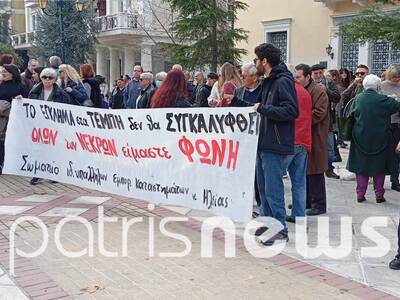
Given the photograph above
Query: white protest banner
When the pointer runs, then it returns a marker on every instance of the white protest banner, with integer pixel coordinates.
(194, 157)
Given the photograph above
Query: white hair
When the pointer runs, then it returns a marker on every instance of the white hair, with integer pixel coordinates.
(177, 67)
(250, 68)
(372, 82)
(147, 76)
(55, 61)
(198, 73)
(161, 76)
(49, 72)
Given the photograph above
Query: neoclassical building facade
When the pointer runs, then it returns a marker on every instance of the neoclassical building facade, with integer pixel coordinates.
(307, 31)
(128, 34)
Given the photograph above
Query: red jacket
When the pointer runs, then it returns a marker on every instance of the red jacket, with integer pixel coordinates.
(303, 123)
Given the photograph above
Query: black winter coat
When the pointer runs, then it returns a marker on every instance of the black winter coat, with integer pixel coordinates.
(10, 89)
(117, 99)
(202, 96)
(278, 109)
(144, 100)
(57, 95)
(95, 92)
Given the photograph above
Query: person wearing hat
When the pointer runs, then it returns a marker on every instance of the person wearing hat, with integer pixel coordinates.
(334, 98)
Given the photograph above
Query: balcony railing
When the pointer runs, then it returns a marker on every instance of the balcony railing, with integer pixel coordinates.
(117, 21)
(127, 20)
(24, 39)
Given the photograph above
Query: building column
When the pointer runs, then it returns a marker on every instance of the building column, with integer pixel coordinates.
(108, 7)
(114, 65)
(336, 49)
(101, 62)
(146, 59)
(129, 60)
(363, 54)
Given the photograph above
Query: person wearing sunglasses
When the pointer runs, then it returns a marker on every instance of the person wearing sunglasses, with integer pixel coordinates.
(147, 90)
(356, 87)
(48, 90)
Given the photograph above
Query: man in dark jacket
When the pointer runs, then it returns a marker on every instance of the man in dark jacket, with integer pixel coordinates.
(144, 100)
(132, 90)
(27, 75)
(334, 99)
(278, 109)
(117, 95)
(205, 90)
(248, 94)
(200, 82)
(190, 87)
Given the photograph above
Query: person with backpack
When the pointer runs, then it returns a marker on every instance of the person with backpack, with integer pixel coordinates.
(91, 84)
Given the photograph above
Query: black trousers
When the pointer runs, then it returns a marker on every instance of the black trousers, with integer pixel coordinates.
(398, 239)
(394, 178)
(257, 193)
(1, 154)
(316, 192)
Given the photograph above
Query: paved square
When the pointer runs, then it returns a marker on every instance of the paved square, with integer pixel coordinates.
(90, 200)
(11, 293)
(13, 210)
(39, 198)
(64, 212)
(8, 289)
(179, 209)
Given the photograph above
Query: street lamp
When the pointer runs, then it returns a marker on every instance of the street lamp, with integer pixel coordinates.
(43, 4)
(79, 6)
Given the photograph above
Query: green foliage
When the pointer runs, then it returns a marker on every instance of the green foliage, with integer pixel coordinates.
(79, 32)
(8, 49)
(373, 24)
(4, 28)
(204, 33)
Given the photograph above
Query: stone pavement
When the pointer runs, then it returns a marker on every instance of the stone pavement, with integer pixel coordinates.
(142, 275)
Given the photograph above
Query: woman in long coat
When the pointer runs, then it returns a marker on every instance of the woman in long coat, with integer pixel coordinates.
(371, 150)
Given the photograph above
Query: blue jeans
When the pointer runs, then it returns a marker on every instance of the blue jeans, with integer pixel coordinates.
(298, 176)
(331, 150)
(270, 170)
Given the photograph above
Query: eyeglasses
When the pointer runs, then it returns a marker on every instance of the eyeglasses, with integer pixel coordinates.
(360, 73)
(47, 77)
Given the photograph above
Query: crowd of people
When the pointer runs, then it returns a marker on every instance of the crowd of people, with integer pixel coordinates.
(298, 130)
